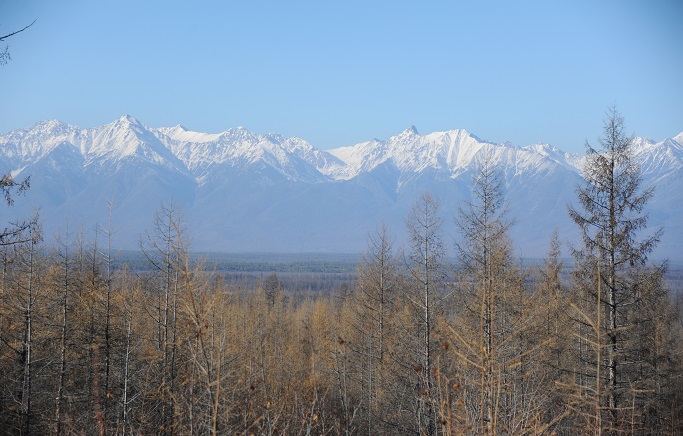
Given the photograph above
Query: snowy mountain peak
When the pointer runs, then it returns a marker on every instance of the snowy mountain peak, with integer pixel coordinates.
(238, 133)
(542, 148)
(639, 144)
(124, 127)
(47, 128)
(180, 128)
(49, 125)
(105, 148)
(181, 134)
(128, 120)
(410, 131)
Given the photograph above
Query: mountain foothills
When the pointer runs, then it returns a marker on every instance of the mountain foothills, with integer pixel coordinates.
(245, 192)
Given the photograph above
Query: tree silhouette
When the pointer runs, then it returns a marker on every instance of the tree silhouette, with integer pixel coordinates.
(4, 55)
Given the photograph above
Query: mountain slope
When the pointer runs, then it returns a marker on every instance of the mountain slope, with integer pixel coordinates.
(248, 192)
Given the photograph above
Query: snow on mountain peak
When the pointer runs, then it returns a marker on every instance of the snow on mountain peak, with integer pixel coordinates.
(450, 152)
(408, 151)
(128, 120)
(238, 133)
(639, 144)
(411, 131)
(126, 139)
(545, 150)
(182, 134)
(49, 125)
(353, 185)
(24, 146)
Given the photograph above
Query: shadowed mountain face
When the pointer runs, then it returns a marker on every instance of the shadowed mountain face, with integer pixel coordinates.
(243, 192)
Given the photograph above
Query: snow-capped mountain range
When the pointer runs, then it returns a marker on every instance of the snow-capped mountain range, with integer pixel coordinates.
(246, 192)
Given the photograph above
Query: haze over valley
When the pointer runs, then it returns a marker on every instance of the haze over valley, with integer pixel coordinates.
(247, 192)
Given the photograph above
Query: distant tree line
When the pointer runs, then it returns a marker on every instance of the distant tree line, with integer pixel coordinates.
(409, 347)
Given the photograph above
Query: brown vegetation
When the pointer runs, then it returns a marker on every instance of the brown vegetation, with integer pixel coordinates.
(87, 348)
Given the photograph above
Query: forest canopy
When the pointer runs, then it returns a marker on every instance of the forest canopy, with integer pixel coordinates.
(402, 342)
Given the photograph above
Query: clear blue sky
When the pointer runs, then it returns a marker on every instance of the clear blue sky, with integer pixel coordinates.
(339, 72)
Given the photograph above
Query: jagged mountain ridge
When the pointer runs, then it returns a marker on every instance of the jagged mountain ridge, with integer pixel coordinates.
(250, 192)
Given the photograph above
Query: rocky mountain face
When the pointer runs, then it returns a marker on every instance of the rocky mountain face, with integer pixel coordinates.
(243, 192)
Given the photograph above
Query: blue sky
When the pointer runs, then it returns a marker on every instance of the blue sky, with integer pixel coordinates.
(339, 72)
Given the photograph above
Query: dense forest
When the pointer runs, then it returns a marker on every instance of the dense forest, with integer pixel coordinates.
(414, 344)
